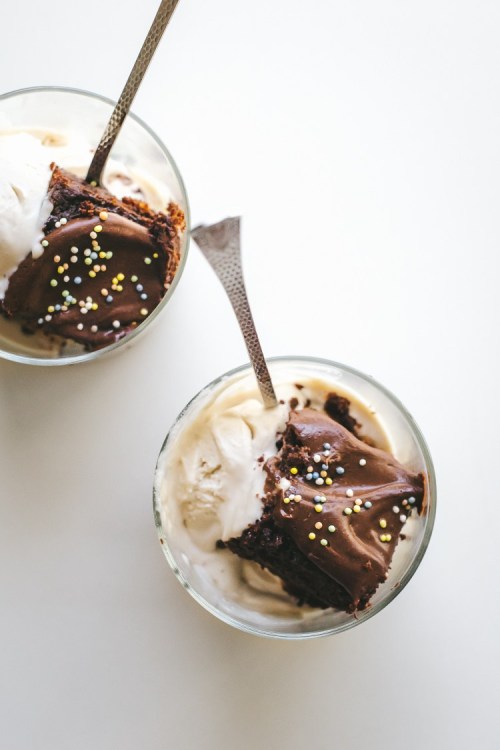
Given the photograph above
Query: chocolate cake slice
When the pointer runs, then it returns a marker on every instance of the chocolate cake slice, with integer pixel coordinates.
(332, 514)
(106, 265)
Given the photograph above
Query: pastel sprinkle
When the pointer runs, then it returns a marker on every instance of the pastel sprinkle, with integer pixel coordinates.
(103, 215)
(328, 480)
(326, 446)
(318, 525)
(319, 481)
(53, 282)
(134, 278)
(312, 536)
(294, 470)
(368, 504)
(316, 458)
(347, 511)
(382, 523)
(331, 528)
(318, 508)
(395, 509)
(144, 311)
(98, 228)
(324, 542)
(340, 470)
(77, 280)
(94, 329)
(403, 518)
(80, 326)
(309, 476)
(411, 500)
(116, 324)
(93, 235)
(362, 461)
(109, 298)
(286, 500)
(45, 243)
(358, 501)
(147, 261)
(356, 509)
(349, 493)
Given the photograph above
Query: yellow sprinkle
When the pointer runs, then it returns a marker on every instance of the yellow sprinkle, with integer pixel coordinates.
(382, 523)
(145, 312)
(92, 274)
(323, 474)
(286, 500)
(103, 215)
(95, 306)
(114, 280)
(318, 508)
(51, 309)
(294, 470)
(318, 525)
(102, 254)
(356, 509)
(312, 536)
(298, 498)
(60, 269)
(155, 255)
(382, 537)
(120, 276)
(98, 228)
(119, 288)
(328, 480)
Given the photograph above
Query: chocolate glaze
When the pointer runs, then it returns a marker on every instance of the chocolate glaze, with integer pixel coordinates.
(131, 241)
(346, 572)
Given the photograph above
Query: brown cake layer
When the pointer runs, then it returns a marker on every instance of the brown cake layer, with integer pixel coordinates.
(331, 534)
(106, 265)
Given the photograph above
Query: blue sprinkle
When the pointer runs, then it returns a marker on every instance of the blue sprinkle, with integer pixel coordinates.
(139, 287)
(109, 298)
(144, 296)
(411, 500)
(94, 256)
(339, 470)
(77, 280)
(324, 467)
(309, 476)
(326, 446)
(315, 475)
(368, 504)
(57, 307)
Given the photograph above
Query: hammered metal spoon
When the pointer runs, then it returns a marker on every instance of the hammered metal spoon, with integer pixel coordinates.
(122, 107)
(220, 244)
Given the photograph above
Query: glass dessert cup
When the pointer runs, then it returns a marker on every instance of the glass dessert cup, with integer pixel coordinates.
(137, 147)
(406, 443)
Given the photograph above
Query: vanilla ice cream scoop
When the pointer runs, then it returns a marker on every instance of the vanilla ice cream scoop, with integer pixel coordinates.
(24, 179)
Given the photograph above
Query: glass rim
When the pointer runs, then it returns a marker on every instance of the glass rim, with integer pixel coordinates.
(63, 360)
(358, 617)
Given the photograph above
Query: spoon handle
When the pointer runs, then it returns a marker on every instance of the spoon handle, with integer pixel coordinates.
(220, 244)
(134, 80)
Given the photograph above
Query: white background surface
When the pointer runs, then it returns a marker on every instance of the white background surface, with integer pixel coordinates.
(360, 140)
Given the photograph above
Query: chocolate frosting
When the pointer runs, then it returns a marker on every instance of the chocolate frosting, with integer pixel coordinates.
(352, 547)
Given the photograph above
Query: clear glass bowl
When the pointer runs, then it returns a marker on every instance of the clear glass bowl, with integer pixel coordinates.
(137, 147)
(406, 443)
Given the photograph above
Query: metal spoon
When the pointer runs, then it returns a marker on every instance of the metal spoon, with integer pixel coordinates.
(220, 244)
(134, 80)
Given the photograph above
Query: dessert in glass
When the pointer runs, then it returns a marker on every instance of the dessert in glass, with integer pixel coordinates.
(83, 269)
(300, 520)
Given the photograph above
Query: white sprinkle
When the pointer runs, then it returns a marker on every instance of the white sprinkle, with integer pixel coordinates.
(45, 243)
(284, 484)
(64, 221)
(57, 224)
(116, 323)
(362, 461)
(349, 493)
(80, 326)
(66, 278)
(316, 458)
(402, 518)
(48, 318)
(94, 329)
(326, 453)
(395, 509)
(319, 480)
(40, 321)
